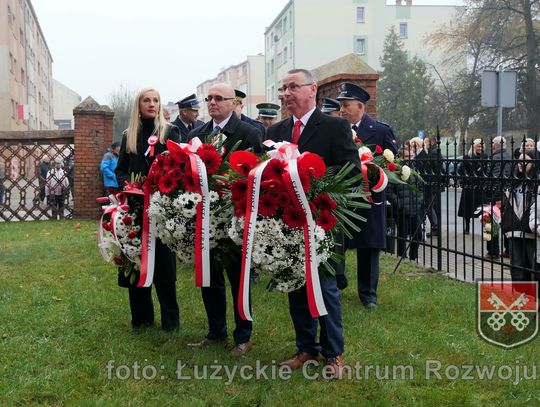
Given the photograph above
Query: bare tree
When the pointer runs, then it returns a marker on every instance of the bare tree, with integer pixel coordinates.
(121, 102)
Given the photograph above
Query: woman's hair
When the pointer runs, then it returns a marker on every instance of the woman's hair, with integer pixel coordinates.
(476, 142)
(160, 124)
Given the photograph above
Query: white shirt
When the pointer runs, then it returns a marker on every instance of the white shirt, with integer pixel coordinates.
(304, 119)
(221, 124)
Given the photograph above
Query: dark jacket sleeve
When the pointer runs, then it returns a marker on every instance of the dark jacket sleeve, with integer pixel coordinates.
(253, 140)
(344, 150)
(122, 168)
(174, 134)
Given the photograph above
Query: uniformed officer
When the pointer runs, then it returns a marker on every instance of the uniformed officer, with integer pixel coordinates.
(372, 238)
(187, 116)
(268, 113)
(239, 105)
(331, 107)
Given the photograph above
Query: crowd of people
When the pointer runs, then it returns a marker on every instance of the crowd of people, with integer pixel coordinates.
(329, 133)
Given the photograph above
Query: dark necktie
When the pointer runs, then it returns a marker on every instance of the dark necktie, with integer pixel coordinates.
(296, 131)
(355, 128)
(190, 126)
(216, 130)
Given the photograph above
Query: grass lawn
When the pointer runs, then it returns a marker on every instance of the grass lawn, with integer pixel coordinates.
(64, 320)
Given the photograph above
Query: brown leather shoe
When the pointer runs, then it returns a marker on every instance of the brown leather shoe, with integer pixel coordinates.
(298, 360)
(241, 349)
(334, 368)
(208, 342)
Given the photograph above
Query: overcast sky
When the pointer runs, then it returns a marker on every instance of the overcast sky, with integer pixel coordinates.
(171, 45)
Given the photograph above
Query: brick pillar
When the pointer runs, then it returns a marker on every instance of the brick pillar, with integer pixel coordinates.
(93, 135)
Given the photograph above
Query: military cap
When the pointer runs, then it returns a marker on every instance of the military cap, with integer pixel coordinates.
(189, 102)
(330, 105)
(239, 95)
(350, 91)
(268, 109)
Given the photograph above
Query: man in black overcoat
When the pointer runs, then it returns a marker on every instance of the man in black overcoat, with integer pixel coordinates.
(227, 126)
(329, 137)
(372, 237)
(187, 116)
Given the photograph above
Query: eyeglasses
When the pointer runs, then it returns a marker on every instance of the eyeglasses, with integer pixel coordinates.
(216, 98)
(293, 87)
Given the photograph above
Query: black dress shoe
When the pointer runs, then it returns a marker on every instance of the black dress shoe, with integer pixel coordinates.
(341, 280)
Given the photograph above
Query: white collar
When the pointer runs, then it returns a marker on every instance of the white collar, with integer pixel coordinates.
(304, 119)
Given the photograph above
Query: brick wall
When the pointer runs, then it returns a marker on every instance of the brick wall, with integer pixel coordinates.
(93, 135)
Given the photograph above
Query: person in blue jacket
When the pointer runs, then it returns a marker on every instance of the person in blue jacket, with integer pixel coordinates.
(107, 167)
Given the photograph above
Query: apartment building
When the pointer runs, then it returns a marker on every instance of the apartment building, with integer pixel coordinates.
(247, 76)
(26, 82)
(311, 33)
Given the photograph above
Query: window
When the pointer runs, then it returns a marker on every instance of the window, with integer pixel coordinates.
(272, 65)
(403, 31)
(285, 50)
(360, 46)
(279, 59)
(272, 92)
(22, 76)
(21, 37)
(11, 63)
(360, 15)
(284, 24)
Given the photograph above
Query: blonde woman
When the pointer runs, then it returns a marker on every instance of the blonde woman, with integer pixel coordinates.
(148, 128)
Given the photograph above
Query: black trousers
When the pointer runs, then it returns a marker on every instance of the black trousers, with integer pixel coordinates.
(367, 261)
(215, 303)
(140, 298)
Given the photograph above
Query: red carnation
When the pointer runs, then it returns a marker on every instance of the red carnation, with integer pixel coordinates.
(357, 140)
(486, 217)
(240, 208)
(392, 167)
(312, 164)
(179, 159)
(167, 184)
(268, 205)
(326, 220)
(238, 190)
(305, 180)
(132, 234)
(272, 185)
(378, 150)
(284, 199)
(188, 182)
(294, 217)
(274, 170)
(324, 202)
(243, 161)
(118, 261)
(106, 226)
(212, 160)
(127, 220)
(176, 174)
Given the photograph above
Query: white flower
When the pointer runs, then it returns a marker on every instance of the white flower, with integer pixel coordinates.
(487, 227)
(405, 173)
(169, 225)
(388, 155)
(363, 150)
(214, 196)
(486, 237)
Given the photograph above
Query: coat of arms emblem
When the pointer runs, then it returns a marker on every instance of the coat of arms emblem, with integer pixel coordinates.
(507, 312)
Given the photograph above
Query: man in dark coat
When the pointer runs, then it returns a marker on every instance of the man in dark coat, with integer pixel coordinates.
(329, 137)
(187, 116)
(372, 238)
(226, 126)
(239, 105)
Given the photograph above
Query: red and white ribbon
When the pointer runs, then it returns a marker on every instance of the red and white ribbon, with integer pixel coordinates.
(112, 209)
(286, 152)
(202, 219)
(152, 141)
(148, 246)
(366, 157)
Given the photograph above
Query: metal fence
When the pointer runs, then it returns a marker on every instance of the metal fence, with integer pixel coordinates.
(23, 175)
(443, 227)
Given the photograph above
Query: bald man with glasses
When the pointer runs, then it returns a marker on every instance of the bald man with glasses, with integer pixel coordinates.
(221, 103)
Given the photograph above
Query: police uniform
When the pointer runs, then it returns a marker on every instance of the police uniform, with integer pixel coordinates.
(189, 102)
(240, 96)
(372, 237)
(330, 105)
(268, 111)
